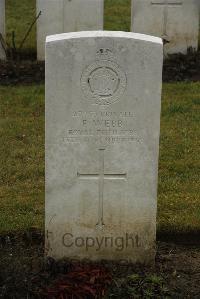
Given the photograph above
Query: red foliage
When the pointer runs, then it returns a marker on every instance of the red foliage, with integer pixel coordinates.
(83, 282)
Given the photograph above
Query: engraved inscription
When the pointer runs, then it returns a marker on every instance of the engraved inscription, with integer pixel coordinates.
(102, 128)
(103, 82)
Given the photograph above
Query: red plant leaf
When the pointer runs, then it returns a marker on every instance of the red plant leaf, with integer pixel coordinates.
(83, 282)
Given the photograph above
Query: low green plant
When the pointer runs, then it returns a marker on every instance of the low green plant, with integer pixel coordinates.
(138, 286)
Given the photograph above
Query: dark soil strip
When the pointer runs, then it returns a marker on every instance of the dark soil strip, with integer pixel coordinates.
(25, 72)
(185, 238)
(190, 238)
(177, 67)
(25, 273)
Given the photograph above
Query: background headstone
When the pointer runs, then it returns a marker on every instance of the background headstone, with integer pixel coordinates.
(2, 26)
(177, 21)
(60, 16)
(103, 98)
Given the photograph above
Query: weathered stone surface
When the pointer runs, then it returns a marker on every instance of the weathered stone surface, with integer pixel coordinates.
(60, 16)
(2, 26)
(176, 21)
(103, 98)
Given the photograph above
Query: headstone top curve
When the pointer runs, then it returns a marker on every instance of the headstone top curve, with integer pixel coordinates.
(100, 33)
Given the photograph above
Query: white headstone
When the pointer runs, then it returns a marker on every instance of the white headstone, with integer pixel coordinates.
(103, 98)
(2, 27)
(58, 16)
(176, 21)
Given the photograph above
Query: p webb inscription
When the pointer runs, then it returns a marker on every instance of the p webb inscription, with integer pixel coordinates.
(103, 95)
(100, 128)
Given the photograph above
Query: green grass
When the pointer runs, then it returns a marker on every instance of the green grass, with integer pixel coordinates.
(117, 15)
(19, 16)
(22, 156)
(179, 171)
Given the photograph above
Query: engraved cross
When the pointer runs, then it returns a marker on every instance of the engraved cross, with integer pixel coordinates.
(101, 176)
(166, 4)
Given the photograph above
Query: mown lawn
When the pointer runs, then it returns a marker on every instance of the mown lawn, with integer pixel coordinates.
(19, 16)
(179, 167)
(22, 158)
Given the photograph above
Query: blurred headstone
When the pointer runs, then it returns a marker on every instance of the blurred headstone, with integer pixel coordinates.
(59, 16)
(176, 21)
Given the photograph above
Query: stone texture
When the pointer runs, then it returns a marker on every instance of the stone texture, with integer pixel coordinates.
(177, 21)
(60, 16)
(103, 98)
(2, 26)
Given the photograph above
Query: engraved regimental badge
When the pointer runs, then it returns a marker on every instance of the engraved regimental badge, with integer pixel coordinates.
(103, 81)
